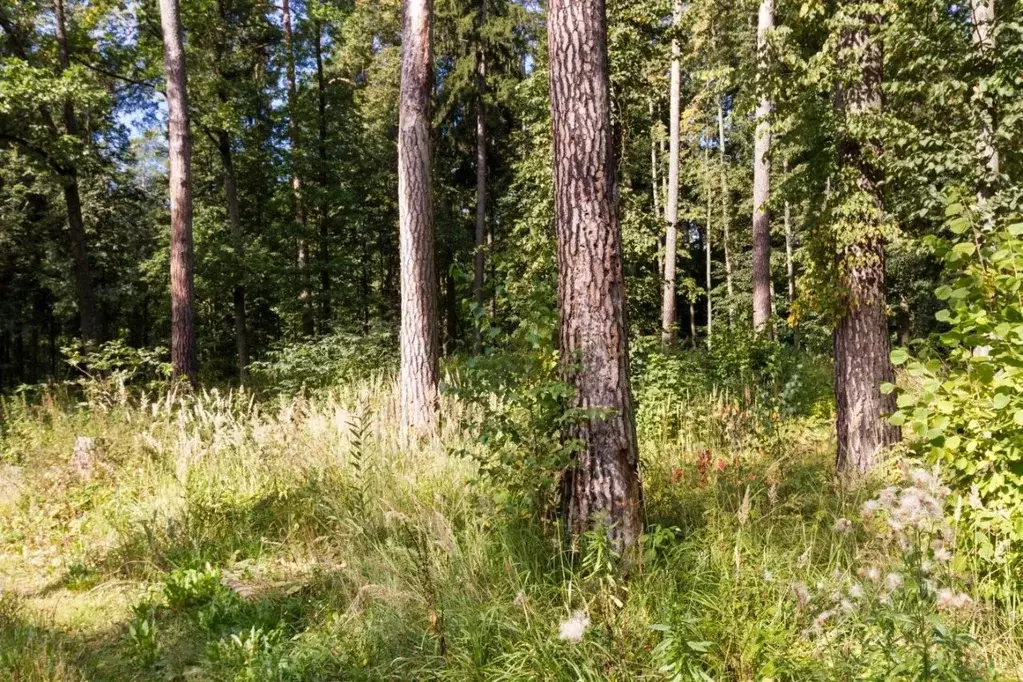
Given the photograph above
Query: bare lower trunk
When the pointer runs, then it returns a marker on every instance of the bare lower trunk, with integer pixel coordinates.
(234, 219)
(668, 313)
(183, 346)
(305, 296)
(762, 184)
(861, 337)
(479, 260)
(73, 202)
(419, 343)
(603, 486)
(726, 217)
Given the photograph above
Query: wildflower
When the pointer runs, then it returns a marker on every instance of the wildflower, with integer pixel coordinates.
(926, 566)
(920, 478)
(961, 601)
(887, 496)
(941, 554)
(802, 594)
(873, 573)
(768, 576)
(846, 606)
(843, 525)
(520, 598)
(885, 598)
(945, 599)
(823, 617)
(856, 591)
(893, 581)
(573, 629)
(975, 501)
(869, 508)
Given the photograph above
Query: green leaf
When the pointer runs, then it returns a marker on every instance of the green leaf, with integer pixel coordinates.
(964, 248)
(899, 356)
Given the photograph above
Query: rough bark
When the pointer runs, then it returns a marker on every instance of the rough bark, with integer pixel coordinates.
(419, 342)
(479, 260)
(726, 211)
(241, 333)
(305, 296)
(602, 487)
(183, 345)
(861, 341)
(762, 183)
(668, 313)
(72, 200)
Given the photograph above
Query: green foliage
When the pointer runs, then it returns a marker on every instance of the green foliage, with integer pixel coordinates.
(325, 362)
(964, 403)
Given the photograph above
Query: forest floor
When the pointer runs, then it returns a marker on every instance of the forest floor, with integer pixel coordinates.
(227, 538)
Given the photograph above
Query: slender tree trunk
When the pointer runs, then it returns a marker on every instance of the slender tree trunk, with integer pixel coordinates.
(692, 323)
(655, 183)
(183, 345)
(298, 205)
(790, 264)
(726, 217)
(603, 487)
(321, 91)
(707, 244)
(762, 182)
(668, 313)
(416, 235)
(479, 262)
(241, 333)
(861, 336)
(72, 199)
(983, 12)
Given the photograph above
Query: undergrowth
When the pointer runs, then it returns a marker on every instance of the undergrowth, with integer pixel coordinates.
(224, 537)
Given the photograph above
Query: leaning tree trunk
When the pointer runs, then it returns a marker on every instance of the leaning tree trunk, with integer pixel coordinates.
(305, 296)
(762, 182)
(668, 313)
(72, 199)
(238, 239)
(419, 345)
(603, 485)
(183, 348)
(479, 261)
(862, 350)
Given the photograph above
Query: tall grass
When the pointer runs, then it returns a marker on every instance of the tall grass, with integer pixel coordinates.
(222, 537)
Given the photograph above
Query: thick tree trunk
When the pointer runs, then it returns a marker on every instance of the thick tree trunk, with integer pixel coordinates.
(762, 183)
(234, 220)
(183, 345)
(72, 199)
(326, 304)
(419, 343)
(862, 361)
(603, 486)
(726, 212)
(305, 296)
(479, 261)
(668, 313)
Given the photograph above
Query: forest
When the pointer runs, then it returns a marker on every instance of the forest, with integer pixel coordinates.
(507, 340)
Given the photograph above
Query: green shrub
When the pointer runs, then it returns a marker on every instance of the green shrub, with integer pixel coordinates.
(964, 407)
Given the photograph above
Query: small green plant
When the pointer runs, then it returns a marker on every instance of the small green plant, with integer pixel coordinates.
(202, 596)
(248, 656)
(142, 634)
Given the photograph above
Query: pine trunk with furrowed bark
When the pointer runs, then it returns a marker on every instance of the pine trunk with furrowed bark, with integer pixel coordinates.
(419, 317)
(603, 486)
(861, 342)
